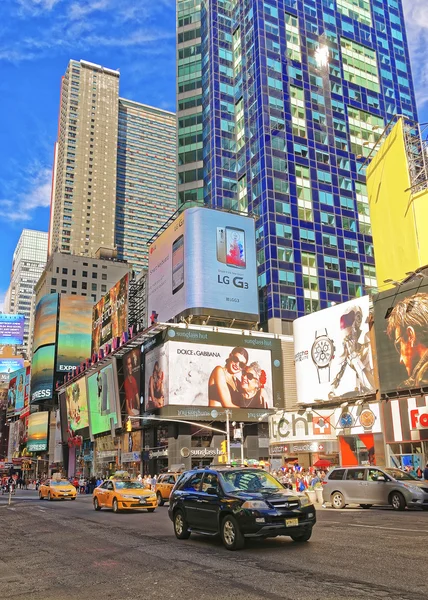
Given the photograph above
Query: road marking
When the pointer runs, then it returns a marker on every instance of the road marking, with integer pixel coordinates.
(389, 528)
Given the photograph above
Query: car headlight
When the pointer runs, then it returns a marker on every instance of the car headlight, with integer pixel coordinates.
(127, 496)
(412, 488)
(256, 505)
(304, 501)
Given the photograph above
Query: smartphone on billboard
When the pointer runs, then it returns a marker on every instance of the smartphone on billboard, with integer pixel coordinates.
(178, 264)
(221, 244)
(235, 244)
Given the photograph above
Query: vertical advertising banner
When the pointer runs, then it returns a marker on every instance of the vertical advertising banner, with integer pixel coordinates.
(156, 377)
(42, 374)
(77, 405)
(103, 400)
(8, 366)
(17, 391)
(38, 428)
(11, 330)
(74, 332)
(131, 385)
(110, 314)
(401, 327)
(333, 355)
(45, 321)
(204, 263)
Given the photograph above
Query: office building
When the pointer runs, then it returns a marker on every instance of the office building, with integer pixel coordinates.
(295, 96)
(29, 260)
(146, 178)
(84, 180)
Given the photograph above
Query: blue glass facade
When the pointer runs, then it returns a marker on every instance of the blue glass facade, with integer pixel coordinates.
(295, 94)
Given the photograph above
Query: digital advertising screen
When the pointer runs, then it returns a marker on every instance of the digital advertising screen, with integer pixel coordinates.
(131, 385)
(198, 368)
(77, 405)
(9, 366)
(110, 314)
(18, 392)
(74, 332)
(204, 261)
(11, 329)
(42, 374)
(103, 400)
(333, 354)
(45, 321)
(38, 429)
(401, 327)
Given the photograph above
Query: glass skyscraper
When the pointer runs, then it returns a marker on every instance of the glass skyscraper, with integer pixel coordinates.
(288, 99)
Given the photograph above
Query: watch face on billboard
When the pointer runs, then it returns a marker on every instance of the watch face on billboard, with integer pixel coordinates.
(204, 263)
(103, 400)
(333, 355)
(401, 327)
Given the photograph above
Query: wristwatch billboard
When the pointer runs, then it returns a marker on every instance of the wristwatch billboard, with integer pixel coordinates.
(322, 354)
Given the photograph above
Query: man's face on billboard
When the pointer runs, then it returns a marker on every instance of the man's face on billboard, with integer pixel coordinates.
(404, 342)
(129, 365)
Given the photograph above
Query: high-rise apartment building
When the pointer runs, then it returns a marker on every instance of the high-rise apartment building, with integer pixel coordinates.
(146, 178)
(295, 94)
(84, 179)
(29, 260)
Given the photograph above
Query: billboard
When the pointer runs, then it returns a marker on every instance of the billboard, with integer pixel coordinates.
(38, 427)
(45, 321)
(333, 356)
(204, 263)
(74, 332)
(213, 369)
(18, 391)
(110, 314)
(77, 405)
(131, 385)
(401, 327)
(9, 366)
(103, 400)
(11, 329)
(42, 373)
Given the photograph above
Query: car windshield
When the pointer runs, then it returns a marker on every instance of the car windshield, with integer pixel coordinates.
(249, 480)
(129, 485)
(62, 482)
(401, 475)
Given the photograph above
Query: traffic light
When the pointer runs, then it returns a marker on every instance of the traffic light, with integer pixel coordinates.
(129, 425)
(223, 447)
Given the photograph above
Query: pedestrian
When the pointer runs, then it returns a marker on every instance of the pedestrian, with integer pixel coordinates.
(419, 472)
(426, 472)
(139, 477)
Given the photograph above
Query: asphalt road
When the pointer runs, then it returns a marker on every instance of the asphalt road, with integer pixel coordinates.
(63, 550)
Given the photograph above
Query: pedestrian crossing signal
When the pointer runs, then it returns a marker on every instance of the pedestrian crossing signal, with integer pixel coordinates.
(129, 425)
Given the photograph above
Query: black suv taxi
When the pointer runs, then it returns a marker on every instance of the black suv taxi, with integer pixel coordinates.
(238, 503)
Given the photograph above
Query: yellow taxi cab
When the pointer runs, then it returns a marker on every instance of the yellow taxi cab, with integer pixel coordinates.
(124, 494)
(164, 485)
(57, 489)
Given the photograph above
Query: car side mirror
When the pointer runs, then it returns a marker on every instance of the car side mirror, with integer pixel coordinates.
(212, 491)
(381, 478)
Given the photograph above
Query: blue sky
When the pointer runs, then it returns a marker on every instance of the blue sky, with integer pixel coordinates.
(37, 39)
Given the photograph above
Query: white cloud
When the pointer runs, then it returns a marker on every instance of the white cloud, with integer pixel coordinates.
(80, 10)
(34, 7)
(21, 208)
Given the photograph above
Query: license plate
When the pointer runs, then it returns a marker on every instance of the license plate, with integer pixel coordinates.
(65, 494)
(143, 502)
(291, 522)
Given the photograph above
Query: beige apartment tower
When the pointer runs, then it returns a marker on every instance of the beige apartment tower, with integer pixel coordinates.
(83, 201)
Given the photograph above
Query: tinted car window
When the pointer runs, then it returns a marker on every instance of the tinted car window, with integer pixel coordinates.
(171, 479)
(336, 474)
(193, 483)
(182, 480)
(373, 474)
(355, 474)
(210, 481)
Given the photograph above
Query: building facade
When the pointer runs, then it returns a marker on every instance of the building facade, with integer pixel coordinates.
(295, 96)
(84, 177)
(146, 178)
(29, 260)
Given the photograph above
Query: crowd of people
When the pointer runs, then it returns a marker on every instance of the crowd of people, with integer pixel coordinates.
(299, 479)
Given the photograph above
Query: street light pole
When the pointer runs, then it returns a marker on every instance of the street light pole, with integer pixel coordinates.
(242, 442)
(228, 435)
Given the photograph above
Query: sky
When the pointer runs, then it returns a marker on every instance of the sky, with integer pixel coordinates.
(39, 37)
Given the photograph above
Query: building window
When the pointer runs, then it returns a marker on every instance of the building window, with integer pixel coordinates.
(94, 275)
(64, 282)
(84, 285)
(74, 284)
(94, 287)
(104, 276)
(53, 281)
(64, 271)
(103, 288)
(84, 273)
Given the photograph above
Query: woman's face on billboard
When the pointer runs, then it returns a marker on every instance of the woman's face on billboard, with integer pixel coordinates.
(236, 362)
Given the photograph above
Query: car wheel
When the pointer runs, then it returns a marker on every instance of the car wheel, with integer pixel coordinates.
(160, 499)
(337, 500)
(366, 505)
(40, 496)
(115, 506)
(150, 510)
(231, 534)
(49, 496)
(397, 501)
(96, 504)
(181, 529)
(302, 537)
(73, 498)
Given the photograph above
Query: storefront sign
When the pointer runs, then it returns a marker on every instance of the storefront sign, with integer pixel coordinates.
(278, 449)
(131, 457)
(418, 418)
(314, 447)
(200, 452)
(158, 453)
(406, 419)
(106, 454)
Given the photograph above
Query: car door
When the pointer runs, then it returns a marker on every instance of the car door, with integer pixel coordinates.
(109, 494)
(354, 485)
(208, 503)
(46, 489)
(377, 491)
(190, 498)
(102, 494)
